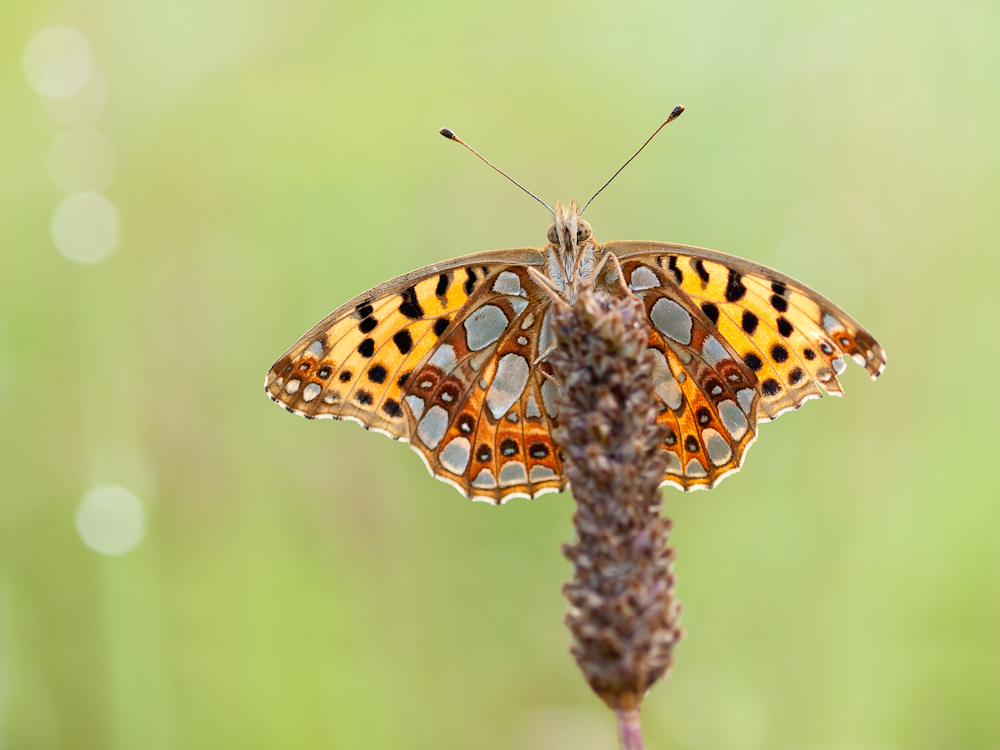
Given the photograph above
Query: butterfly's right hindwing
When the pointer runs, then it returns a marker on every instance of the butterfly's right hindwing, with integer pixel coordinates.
(710, 398)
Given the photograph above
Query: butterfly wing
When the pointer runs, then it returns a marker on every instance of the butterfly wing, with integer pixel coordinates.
(794, 339)
(740, 344)
(709, 397)
(483, 413)
(433, 357)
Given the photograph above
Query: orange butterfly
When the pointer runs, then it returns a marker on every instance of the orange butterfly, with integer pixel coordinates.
(452, 357)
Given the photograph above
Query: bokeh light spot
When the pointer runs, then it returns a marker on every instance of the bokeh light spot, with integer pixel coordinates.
(86, 105)
(57, 61)
(85, 227)
(81, 159)
(110, 520)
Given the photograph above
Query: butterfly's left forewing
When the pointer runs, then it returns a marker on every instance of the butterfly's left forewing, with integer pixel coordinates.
(437, 358)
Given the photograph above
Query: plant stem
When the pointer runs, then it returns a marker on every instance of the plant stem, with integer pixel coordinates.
(629, 729)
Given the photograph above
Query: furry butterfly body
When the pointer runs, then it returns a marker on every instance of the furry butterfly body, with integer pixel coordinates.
(452, 357)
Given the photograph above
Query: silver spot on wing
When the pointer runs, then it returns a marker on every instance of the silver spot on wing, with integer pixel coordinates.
(432, 427)
(508, 384)
(664, 384)
(455, 455)
(733, 418)
(507, 282)
(672, 320)
(484, 326)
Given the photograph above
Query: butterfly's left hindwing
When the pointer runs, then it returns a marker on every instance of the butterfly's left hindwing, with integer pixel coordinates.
(483, 418)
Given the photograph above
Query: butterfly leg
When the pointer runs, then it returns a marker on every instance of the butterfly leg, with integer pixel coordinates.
(547, 286)
(544, 355)
(621, 274)
(554, 381)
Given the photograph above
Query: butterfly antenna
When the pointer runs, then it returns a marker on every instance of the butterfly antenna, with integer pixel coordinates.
(450, 135)
(678, 110)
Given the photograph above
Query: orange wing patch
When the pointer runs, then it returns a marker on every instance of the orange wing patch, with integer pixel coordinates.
(352, 365)
(794, 339)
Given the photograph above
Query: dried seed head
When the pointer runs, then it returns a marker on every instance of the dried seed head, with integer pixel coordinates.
(623, 614)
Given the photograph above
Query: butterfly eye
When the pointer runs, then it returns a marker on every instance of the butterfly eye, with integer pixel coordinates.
(553, 235)
(583, 231)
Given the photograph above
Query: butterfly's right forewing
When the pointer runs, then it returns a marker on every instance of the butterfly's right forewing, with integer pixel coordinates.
(793, 338)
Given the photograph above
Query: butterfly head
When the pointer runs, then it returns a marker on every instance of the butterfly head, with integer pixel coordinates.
(569, 232)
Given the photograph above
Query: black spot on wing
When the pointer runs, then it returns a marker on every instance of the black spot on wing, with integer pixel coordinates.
(735, 290)
(403, 341)
(779, 353)
(442, 287)
(377, 373)
(749, 322)
(711, 312)
(366, 348)
(538, 450)
(699, 266)
(470, 281)
(392, 408)
(770, 387)
(779, 303)
(440, 325)
(672, 265)
(364, 309)
(410, 306)
(753, 361)
(367, 325)
(784, 327)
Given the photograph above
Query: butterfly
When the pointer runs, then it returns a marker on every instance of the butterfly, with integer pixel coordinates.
(451, 358)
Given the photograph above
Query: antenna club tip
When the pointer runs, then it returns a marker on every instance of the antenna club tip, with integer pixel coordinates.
(677, 112)
(447, 133)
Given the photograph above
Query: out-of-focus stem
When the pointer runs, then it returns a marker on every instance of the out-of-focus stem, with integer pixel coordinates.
(629, 729)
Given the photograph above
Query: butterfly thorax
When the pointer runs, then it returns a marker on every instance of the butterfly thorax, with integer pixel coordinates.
(571, 254)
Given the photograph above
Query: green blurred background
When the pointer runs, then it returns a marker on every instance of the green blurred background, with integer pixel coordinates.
(274, 582)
